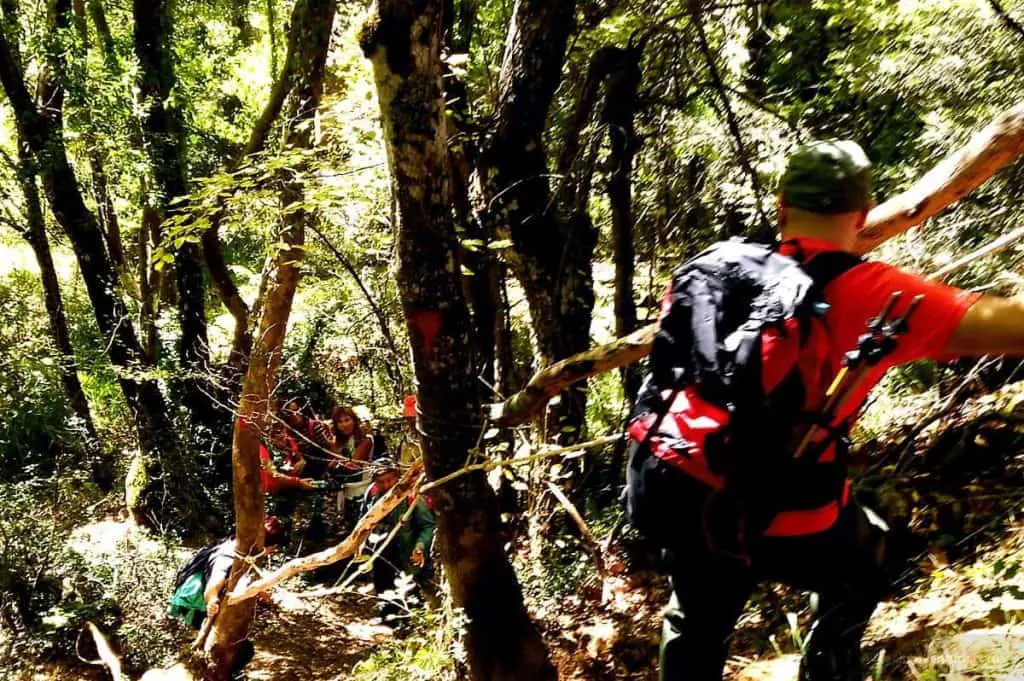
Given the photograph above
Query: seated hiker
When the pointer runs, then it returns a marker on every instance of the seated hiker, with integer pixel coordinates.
(352, 449)
(714, 475)
(281, 469)
(282, 463)
(409, 450)
(410, 550)
(199, 583)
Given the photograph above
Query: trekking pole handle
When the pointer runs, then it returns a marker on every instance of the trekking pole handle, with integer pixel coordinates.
(878, 323)
(900, 326)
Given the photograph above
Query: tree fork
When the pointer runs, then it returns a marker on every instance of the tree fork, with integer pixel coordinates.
(402, 39)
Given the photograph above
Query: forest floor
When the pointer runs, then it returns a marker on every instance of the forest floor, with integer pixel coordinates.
(954, 618)
(963, 621)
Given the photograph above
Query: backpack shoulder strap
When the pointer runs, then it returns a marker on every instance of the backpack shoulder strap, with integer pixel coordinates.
(825, 268)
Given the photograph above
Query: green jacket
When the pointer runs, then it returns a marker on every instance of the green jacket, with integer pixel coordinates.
(418, 532)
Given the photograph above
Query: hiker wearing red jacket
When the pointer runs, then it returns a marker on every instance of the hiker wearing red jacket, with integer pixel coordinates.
(816, 536)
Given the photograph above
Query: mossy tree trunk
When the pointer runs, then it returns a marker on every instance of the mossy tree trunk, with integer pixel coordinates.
(403, 40)
(35, 234)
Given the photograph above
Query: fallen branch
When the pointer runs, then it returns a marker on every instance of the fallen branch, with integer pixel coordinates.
(550, 381)
(108, 658)
(409, 484)
(589, 540)
(960, 173)
(383, 545)
(543, 454)
(988, 249)
(990, 150)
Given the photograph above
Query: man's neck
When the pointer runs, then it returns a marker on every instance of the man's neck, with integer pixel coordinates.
(826, 235)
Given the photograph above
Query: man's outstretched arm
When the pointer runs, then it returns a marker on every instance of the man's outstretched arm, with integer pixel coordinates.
(991, 326)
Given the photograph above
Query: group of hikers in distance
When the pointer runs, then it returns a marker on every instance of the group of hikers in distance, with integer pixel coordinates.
(738, 467)
(325, 473)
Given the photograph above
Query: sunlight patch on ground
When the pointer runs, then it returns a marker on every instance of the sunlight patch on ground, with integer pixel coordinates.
(783, 668)
(996, 653)
(104, 541)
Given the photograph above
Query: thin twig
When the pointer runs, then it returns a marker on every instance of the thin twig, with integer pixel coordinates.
(593, 547)
(730, 115)
(545, 454)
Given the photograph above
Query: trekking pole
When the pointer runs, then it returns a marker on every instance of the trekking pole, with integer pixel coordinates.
(879, 341)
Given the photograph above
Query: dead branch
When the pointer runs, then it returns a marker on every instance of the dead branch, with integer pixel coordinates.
(379, 551)
(409, 484)
(543, 454)
(998, 144)
(988, 249)
(960, 173)
(1005, 17)
(551, 380)
(589, 540)
(108, 658)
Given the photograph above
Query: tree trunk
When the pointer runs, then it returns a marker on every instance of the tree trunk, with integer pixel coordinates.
(102, 470)
(552, 254)
(164, 135)
(99, 20)
(314, 21)
(213, 253)
(97, 165)
(150, 280)
(41, 131)
(619, 109)
(403, 40)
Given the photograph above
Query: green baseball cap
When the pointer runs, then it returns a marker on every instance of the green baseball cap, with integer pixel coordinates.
(829, 177)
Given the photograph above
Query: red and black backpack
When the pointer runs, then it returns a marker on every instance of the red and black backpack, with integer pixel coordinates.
(711, 447)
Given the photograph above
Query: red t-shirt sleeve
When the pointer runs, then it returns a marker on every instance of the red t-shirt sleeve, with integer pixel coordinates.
(861, 293)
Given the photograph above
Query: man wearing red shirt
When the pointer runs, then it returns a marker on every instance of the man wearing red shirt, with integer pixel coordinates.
(835, 550)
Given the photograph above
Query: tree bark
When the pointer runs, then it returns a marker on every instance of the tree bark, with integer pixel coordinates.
(35, 234)
(619, 110)
(164, 135)
(403, 41)
(552, 253)
(956, 176)
(41, 131)
(312, 32)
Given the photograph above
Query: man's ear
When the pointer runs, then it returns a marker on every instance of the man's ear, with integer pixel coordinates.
(783, 211)
(862, 218)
